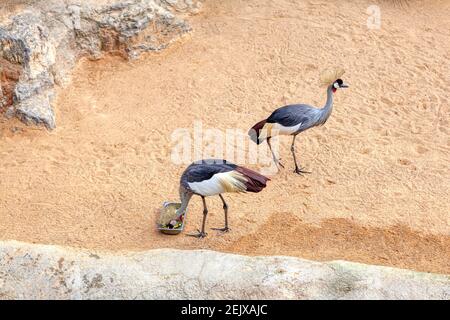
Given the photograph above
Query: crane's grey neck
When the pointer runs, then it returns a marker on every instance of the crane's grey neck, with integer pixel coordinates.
(325, 112)
(185, 197)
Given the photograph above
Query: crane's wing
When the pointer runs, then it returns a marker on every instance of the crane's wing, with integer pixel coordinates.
(204, 170)
(294, 115)
(209, 179)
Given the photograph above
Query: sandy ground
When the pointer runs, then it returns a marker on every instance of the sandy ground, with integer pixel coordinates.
(380, 188)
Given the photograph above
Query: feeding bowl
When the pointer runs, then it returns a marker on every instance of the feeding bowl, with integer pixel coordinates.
(168, 212)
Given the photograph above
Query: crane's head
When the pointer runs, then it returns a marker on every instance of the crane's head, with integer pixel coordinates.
(331, 78)
(339, 84)
(185, 197)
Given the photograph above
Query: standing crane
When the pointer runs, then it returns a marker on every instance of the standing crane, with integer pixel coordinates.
(296, 118)
(214, 177)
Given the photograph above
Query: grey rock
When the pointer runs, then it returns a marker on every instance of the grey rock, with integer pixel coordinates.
(37, 110)
(50, 272)
(43, 41)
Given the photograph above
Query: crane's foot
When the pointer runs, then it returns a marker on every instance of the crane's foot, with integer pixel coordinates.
(224, 229)
(300, 171)
(278, 163)
(199, 234)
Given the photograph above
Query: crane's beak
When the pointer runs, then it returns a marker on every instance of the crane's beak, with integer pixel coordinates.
(343, 86)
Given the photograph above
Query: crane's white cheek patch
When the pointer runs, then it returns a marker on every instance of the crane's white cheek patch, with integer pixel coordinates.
(219, 183)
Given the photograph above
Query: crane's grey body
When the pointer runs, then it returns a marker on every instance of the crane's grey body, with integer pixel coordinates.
(302, 114)
(214, 177)
(204, 170)
(293, 119)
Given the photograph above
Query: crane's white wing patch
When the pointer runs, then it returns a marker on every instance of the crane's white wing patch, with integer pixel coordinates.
(231, 181)
(275, 129)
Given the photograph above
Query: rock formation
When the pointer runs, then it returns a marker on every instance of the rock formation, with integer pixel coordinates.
(40, 41)
(30, 271)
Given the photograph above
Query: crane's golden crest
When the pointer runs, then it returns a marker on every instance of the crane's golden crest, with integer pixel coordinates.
(327, 77)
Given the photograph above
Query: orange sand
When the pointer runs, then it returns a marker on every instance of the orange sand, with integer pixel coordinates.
(380, 188)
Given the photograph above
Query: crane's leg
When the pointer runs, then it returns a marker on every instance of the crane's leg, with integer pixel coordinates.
(275, 159)
(225, 209)
(298, 169)
(202, 233)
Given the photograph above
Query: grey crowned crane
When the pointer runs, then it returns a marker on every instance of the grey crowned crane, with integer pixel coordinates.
(296, 118)
(214, 177)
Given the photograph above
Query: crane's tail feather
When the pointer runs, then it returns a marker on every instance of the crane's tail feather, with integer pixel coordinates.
(255, 132)
(255, 182)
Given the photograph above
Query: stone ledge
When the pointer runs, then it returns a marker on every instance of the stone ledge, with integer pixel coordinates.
(30, 271)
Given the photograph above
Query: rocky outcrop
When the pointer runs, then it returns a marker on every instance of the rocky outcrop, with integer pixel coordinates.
(40, 43)
(49, 272)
